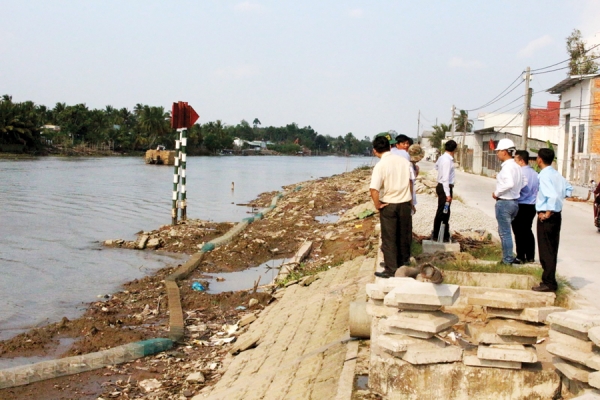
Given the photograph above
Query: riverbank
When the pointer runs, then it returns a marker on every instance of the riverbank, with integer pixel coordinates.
(139, 311)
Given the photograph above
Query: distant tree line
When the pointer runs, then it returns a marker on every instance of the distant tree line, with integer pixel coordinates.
(34, 128)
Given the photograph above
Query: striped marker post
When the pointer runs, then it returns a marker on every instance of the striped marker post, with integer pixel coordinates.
(175, 184)
(183, 203)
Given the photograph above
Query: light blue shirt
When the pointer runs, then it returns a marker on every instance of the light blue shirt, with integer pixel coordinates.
(552, 191)
(529, 192)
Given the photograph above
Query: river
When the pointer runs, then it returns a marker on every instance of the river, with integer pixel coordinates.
(54, 212)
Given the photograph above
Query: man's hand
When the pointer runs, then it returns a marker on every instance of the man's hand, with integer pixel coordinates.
(449, 199)
(494, 196)
(542, 216)
(381, 205)
(414, 209)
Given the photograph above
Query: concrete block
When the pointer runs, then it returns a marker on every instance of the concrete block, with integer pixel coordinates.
(481, 333)
(432, 322)
(594, 380)
(397, 344)
(577, 356)
(538, 314)
(578, 320)
(244, 343)
(473, 361)
(515, 328)
(466, 292)
(379, 311)
(247, 320)
(568, 340)
(594, 335)
(507, 352)
(375, 291)
(570, 332)
(141, 243)
(571, 371)
(430, 247)
(497, 300)
(413, 292)
(385, 327)
(417, 307)
(490, 280)
(391, 283)
(419, 356)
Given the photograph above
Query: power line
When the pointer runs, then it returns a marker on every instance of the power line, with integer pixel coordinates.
(568, 66)
(497, 98)
(560, 62)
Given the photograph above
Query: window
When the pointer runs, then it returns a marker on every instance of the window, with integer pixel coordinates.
(567, 123)
(567, 104)
(580, 138)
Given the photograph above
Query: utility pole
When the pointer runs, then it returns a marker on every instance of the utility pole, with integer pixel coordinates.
(453, 109)
(527, 107)
(418, 125)
(462, 142)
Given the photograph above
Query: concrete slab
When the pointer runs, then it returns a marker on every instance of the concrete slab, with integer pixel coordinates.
(419, 356)
(481, 333)
(594, 380)
(491, 280)
(474, 361)
(430, 247)
(594, 335)
(385, 327)
(396, 344)
(537, 314)
(507, 352)
(588, 395)
(470, 291)
(569, 331)
(431, 322)
(375, 291)
(391, 283)
(571, 371)
(516, 328)
(247, 320)
(568, 340)
(568, 353)
(578, 320)
(497, 300)
(381, 311)
(413, 292)
(417, 307)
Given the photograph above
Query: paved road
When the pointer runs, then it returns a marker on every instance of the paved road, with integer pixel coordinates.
(578, 259)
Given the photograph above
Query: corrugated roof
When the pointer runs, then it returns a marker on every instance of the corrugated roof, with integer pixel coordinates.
(569, 83)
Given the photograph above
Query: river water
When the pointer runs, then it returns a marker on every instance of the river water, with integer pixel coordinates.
(54, 212)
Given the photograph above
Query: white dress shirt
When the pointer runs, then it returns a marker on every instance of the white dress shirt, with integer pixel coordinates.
(446, 174)
(509, 181)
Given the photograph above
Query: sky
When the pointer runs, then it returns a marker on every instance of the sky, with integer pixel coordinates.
(339, 67)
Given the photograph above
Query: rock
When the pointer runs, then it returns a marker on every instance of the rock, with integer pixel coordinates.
(355, 212)
(150, 385)
(141, 243)
(154, 243)
(311, 204)
(196, 377)
(109, 242)
(119, 241)
(247, 320)
(252, 302)
(308, 280)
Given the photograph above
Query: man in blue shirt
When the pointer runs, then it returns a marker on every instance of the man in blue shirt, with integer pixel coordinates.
(521, 225)
(553, 189)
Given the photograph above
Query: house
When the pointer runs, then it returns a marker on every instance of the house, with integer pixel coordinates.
(544, 127)
(579, 139)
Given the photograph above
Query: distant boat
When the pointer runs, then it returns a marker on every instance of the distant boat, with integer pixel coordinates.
(160, 156)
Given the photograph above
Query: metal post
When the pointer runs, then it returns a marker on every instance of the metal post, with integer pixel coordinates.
(183, 164)
(175, 185)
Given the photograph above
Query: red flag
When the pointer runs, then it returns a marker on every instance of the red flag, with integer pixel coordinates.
(492, 145)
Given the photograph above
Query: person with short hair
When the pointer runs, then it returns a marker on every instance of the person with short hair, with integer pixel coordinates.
(444, 189)
(402, 145)
(509, 183)
(521, 225)
(552, 191)
(391, 192)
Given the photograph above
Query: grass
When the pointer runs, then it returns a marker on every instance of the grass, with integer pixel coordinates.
(416, 248)
(301, 272)
(487, 252)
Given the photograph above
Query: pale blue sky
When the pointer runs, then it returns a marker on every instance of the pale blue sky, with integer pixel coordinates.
(355, 66)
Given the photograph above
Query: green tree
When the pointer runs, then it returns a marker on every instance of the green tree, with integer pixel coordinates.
(439, 133)
(462, 123)
(581, 60)
(20, 124)
(256, 122)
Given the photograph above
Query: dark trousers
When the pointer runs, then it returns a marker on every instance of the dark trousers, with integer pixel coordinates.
(521, 227)
(548, 237)
(439, 214)
(396, 235)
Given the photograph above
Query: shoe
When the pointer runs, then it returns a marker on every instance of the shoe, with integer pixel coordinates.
(542, 288)
(518, 261)
(529, 261)
(383, 275)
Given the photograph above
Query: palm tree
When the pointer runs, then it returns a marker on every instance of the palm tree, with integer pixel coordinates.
(256, 122)
(439, 133)
(153, 123)
(462, 123)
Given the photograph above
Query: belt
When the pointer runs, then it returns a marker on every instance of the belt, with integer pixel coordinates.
(508, 199)
(451, 185)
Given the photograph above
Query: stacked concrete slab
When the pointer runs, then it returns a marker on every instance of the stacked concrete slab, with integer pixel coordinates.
(406, 317)
(574, 341)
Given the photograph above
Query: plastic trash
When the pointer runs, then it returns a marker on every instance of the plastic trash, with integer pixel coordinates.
(197, 286)
(240, 308)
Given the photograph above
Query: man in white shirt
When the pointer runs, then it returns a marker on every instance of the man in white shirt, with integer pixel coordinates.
(509, 183)
(391, 191)
(444, 188)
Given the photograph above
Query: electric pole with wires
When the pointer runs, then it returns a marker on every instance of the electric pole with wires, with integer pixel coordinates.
(527, 107)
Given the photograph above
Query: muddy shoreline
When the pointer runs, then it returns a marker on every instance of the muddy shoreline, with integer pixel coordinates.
(139, 311)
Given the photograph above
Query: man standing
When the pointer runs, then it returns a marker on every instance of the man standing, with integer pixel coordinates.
(509, 182)
(521, 225)
(552, 191)
(391, 191)
(444, 188)
(402, 145)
